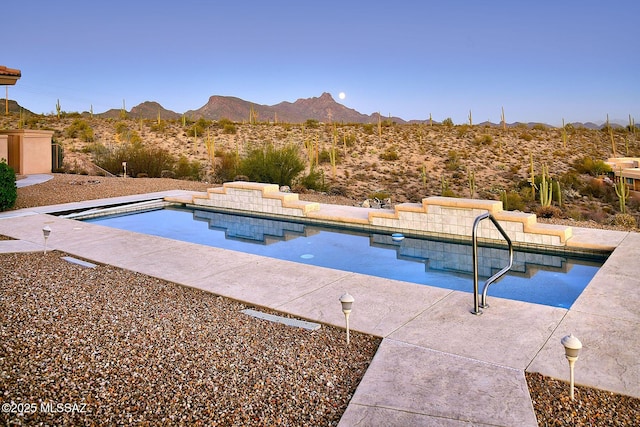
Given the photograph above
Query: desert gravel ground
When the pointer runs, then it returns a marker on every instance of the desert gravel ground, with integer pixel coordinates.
(126, 349)
(130, 349)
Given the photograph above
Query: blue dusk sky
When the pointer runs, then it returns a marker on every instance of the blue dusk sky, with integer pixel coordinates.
(542, 61)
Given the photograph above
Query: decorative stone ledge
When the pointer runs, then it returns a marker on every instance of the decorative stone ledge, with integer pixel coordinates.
(255, 197)
(444, 216)
(453, 216)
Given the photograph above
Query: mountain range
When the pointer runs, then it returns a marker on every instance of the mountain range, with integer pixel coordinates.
(323, 109)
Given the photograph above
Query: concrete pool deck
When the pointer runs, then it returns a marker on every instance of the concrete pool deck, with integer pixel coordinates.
(437, 364)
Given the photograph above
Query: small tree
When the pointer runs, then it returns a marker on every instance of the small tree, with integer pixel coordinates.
(8, 189)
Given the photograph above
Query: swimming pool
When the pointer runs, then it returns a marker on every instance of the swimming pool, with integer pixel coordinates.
(549, 279)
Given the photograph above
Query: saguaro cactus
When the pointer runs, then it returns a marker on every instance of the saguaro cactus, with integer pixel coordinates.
(546, 188)
(622, 191)
(472, 184)
(211, 150)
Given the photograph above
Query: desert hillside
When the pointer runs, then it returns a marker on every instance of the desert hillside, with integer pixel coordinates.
(405, 162)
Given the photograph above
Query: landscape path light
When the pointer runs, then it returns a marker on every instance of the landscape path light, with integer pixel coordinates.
(46, 230)
(124, 167)
(572, 347)
(347, 302)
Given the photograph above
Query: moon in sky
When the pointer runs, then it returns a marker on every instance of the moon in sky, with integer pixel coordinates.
(342, 95)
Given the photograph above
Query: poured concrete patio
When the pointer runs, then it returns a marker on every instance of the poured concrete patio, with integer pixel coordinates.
(437, 364)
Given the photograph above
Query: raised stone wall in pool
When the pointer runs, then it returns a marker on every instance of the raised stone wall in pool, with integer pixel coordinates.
(444, 216)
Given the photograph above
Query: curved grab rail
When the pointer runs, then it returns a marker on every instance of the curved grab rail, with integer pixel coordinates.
(490, 280)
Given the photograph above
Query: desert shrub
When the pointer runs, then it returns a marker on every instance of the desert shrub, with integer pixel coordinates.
(590, 166)
(273, 165)
(311, 123)
(448, 122)
(338, 191)
(569, 180)
(593, 187)
(121, 128)
(526, 136)
(367, 128)
(349, 139)
(625, 220)
(186, 169)
(548, 212)
(229, 129)
(314, 181)
(462, 130)
(380, 195)
(140, 159)
(8, 189)
(227, 169)
(453, 160)
(159, 126)
(483, 140)
(512, 201)
(324, 156)
(80, 129)
(390, 154)
(199, 127)
(595, 214)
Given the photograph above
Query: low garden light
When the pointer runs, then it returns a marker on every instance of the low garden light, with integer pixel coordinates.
(46, 231)
(347, 303)
(572, 347)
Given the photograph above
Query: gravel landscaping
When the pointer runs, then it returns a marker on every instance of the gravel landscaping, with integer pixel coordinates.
(121, 348)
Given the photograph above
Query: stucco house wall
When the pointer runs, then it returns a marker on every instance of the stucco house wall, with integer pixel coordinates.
(4, 148)
(28, 151)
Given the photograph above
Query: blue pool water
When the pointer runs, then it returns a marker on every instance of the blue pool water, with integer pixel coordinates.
(540, 278)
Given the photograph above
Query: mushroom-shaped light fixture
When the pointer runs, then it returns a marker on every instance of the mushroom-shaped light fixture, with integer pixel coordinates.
(572, 347)
(347, 303)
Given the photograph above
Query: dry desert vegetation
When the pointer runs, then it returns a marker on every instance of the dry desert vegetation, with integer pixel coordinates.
(354, 162)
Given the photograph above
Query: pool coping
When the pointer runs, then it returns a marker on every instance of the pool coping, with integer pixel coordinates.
(432, 327)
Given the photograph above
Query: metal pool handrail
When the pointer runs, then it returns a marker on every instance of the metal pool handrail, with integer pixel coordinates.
(490, 280)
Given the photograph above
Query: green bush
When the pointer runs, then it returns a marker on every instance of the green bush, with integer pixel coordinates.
(590, 166)
(312, 123)
(199, 127)
(314, 181)
(229, 129)
(272, 165)
(8, 189)
(80, 129)
(512, 201)
(227, 169)
(186, 169)
(448, 122)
